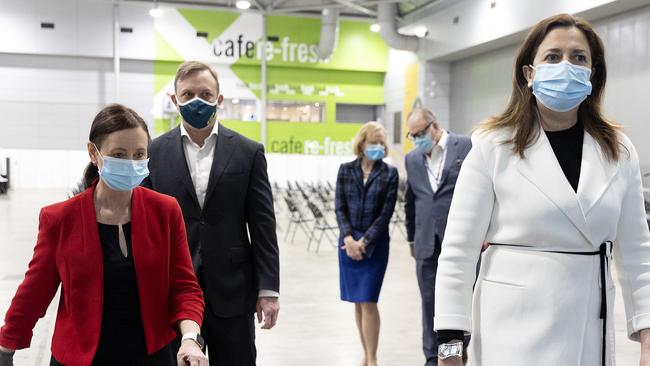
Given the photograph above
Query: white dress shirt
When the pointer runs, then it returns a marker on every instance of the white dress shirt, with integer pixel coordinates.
(436, 161)
(199, 162)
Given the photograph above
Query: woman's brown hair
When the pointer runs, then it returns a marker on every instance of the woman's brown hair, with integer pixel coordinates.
(521, 112)
(112, 118)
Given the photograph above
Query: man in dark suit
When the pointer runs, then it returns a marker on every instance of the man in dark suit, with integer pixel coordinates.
(432, 170)
(220, 181)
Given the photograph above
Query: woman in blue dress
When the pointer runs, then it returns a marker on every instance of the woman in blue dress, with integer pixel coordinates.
(366, 191)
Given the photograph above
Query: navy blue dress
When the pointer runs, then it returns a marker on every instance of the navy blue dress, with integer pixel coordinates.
(364, 210)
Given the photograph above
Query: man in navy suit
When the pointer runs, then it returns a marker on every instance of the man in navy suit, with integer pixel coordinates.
(432, 169)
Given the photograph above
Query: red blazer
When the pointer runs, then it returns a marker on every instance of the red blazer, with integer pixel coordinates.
(68, 252)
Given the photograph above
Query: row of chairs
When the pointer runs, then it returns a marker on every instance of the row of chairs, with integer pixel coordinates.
(310, 209)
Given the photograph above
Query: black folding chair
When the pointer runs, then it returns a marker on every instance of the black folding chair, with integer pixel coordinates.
(296, 218)
(320, 224)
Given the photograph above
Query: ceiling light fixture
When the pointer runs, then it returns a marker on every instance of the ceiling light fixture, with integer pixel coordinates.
(235, 101)
(243, 4)
(375, 28)
(421, 31)
(155, 12)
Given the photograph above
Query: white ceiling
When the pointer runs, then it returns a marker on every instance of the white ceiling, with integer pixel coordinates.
(357, 8)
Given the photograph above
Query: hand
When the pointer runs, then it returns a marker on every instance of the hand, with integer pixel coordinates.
(451, 361)
(644, 336)
(268, 308)
(190, 354)
(411, 249)
(354, 249)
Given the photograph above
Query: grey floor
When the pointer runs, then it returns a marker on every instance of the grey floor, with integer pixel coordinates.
(314, 328)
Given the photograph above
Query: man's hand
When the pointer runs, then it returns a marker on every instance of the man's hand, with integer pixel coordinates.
(267, 310)
(354, 249)
(190, 354)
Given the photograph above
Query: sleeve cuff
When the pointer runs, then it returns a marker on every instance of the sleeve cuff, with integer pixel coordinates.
(636, 324)
(268, 293)
(456, 322)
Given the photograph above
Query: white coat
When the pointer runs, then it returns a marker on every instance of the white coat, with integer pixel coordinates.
(532, 307)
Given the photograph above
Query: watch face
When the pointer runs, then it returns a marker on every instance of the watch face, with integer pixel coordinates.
(449, 350)
(200, 340)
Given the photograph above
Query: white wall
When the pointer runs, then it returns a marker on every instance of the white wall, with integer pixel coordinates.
(481, 85)
(63, 169)
(49, 102)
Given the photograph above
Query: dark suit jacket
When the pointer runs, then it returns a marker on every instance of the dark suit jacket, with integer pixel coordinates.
(68, 252)
(365, 208)
(426, 211)
(238, 203)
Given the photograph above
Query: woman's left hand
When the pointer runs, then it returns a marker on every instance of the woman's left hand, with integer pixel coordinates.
(190, 354)
(644, 336)
(355, 250)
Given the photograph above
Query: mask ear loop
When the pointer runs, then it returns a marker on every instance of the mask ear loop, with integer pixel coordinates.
(100, 154)
(530, 83)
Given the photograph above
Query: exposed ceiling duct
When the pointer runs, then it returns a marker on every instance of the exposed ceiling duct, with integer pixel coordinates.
(386, 18)
(329, 32)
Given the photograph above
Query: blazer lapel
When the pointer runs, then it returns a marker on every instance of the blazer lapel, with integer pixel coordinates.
(450, 158)
(541, 168)
(424, 171)
(357, 173)
(222, 154)
(596, 174)
(91, 252)
(376, 170)
(179, 162)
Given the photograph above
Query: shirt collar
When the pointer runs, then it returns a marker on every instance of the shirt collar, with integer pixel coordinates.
(444, 138)
(214, 132)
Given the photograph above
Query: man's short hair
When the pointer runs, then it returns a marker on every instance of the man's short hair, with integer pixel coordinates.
(188, 68)
(428, 116)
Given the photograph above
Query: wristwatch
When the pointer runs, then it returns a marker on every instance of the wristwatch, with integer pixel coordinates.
(195, 337)
(451, 349)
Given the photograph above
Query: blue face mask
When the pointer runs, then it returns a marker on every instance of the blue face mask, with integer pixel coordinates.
(561, 87)
(123, 174)
(424, 143)
(374, 152)
(197, 112)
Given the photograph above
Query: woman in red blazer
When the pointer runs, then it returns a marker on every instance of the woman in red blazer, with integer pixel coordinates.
(120, 254)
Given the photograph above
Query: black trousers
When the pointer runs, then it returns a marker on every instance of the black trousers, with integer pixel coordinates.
(229, 341)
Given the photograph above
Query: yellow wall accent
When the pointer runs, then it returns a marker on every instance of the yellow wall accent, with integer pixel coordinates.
(410, 95)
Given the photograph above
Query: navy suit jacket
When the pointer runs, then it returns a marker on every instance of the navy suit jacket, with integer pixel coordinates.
(232, 238)
(426, 211)
(365, 208)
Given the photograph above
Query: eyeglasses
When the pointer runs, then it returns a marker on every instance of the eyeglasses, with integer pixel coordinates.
(413, 136)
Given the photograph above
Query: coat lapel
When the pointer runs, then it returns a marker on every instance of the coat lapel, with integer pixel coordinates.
(179, 162)
(222, 154)
(596, 174)
(541, 168)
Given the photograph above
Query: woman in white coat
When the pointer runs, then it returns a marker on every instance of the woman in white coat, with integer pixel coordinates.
(555, 187)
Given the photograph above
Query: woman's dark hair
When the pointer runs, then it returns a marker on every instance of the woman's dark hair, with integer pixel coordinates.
(112, 118)
(521, 111)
